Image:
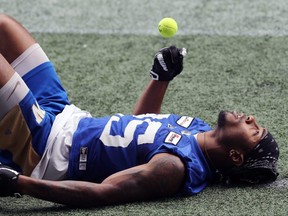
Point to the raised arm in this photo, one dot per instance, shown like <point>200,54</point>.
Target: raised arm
<point>151,99</point>
<point>168,63</point>
<point>162,176</point>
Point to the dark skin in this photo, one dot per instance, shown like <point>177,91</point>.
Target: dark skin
<point>162,176</point>
<point>144,182</point>
<point>227,147</point>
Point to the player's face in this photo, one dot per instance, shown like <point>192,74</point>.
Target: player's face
<point>239,130</point>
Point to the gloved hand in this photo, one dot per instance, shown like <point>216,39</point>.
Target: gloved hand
<point>8,180</point>
<point>168,63</point>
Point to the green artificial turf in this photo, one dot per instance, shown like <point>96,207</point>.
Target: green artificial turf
<point>106,74</point>
<point>237,60</point>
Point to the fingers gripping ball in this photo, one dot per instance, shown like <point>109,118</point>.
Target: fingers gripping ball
<point>8,180</point>
<point>168,63</point>
<point>168,27</point>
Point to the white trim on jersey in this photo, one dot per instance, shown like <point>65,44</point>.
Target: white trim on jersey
<point>29,59</point>
<point>54,162</point>
<point>12,93</point>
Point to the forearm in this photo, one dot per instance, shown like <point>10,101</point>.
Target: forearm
<point>168,63</point>
<point>151,99</point>
<point>73,193</point>
<point>162,176</point>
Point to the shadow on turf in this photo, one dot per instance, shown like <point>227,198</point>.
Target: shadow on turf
<point>39,209</point>
<point>56,208</point>
<point>44,207</point>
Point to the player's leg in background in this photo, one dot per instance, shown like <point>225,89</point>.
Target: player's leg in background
<point>31,95</point>
<point>6,71</point>
<point>14,38</point>
<point>30,61</point>
<point>15,136</point>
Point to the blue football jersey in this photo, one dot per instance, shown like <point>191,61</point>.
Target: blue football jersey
<point>103,146</point>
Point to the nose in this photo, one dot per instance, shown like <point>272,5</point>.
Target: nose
<point>250,119</point>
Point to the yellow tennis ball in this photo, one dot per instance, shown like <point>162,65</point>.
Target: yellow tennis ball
<point>168,27</point>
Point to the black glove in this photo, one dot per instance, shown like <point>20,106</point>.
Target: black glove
<point>8,180</point>
<point>168,63</point>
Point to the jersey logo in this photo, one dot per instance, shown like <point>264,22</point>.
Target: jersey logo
<point>185,121</point>
<point>13,90</point>
<point>83,158</point>
<point>173,138</point>
<point>38,113</point>
<point>186,132</point>
<point>171,126</point>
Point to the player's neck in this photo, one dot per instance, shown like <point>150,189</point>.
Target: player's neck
<point>214,152</point>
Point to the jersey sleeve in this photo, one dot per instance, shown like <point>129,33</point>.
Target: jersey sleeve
<point>181,141</point>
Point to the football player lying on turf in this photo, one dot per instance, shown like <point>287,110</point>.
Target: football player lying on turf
<point>52,150</point>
